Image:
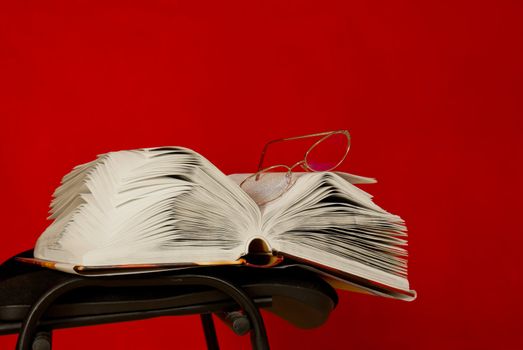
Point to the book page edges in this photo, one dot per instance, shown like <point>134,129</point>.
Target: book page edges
<point>336,279</point>
<point>346,281</point>
<point>346,285</point>
<point>124,269</point>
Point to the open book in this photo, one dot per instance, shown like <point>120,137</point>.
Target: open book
<point>164,207</point>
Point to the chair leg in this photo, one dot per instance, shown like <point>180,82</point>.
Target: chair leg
<point>237,321</point>
<point>28,331</point>
<point>43,340</point>
<point>210,332</point>
<point>259,340</point>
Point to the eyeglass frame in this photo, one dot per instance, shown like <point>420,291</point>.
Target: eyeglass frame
<point>303,162</point>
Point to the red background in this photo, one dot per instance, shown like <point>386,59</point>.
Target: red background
<point>430,91</point>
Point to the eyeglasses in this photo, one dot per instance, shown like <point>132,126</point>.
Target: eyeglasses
<point>325,154</point>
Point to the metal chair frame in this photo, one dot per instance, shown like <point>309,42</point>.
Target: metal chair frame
<point>36,333</point>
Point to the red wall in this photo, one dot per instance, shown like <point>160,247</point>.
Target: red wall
<point>431,93</point>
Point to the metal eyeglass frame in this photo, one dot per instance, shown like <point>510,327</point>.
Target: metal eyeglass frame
<point>303,163</point>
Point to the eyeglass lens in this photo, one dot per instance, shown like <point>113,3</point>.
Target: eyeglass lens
<point>328,153</point>
<point>270,184</point>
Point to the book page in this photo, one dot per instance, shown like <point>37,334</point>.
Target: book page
<point>326,220</point>
<point>159,205</point>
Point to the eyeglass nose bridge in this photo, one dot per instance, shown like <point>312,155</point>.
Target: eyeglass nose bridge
<point>259,173</point>
<point>302,163</point>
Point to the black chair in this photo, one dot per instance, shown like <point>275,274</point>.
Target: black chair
<point>34,300</point>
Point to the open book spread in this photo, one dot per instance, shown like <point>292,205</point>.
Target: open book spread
<point>170,206</point>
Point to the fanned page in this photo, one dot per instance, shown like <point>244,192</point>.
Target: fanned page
<point>161,206</point>
<point>326,221</point>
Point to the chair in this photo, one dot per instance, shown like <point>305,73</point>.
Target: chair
<point>34,300</point>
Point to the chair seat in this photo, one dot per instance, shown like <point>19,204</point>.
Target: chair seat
<point>294,294</point>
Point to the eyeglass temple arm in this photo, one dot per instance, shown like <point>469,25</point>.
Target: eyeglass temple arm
<point>260,164</point>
